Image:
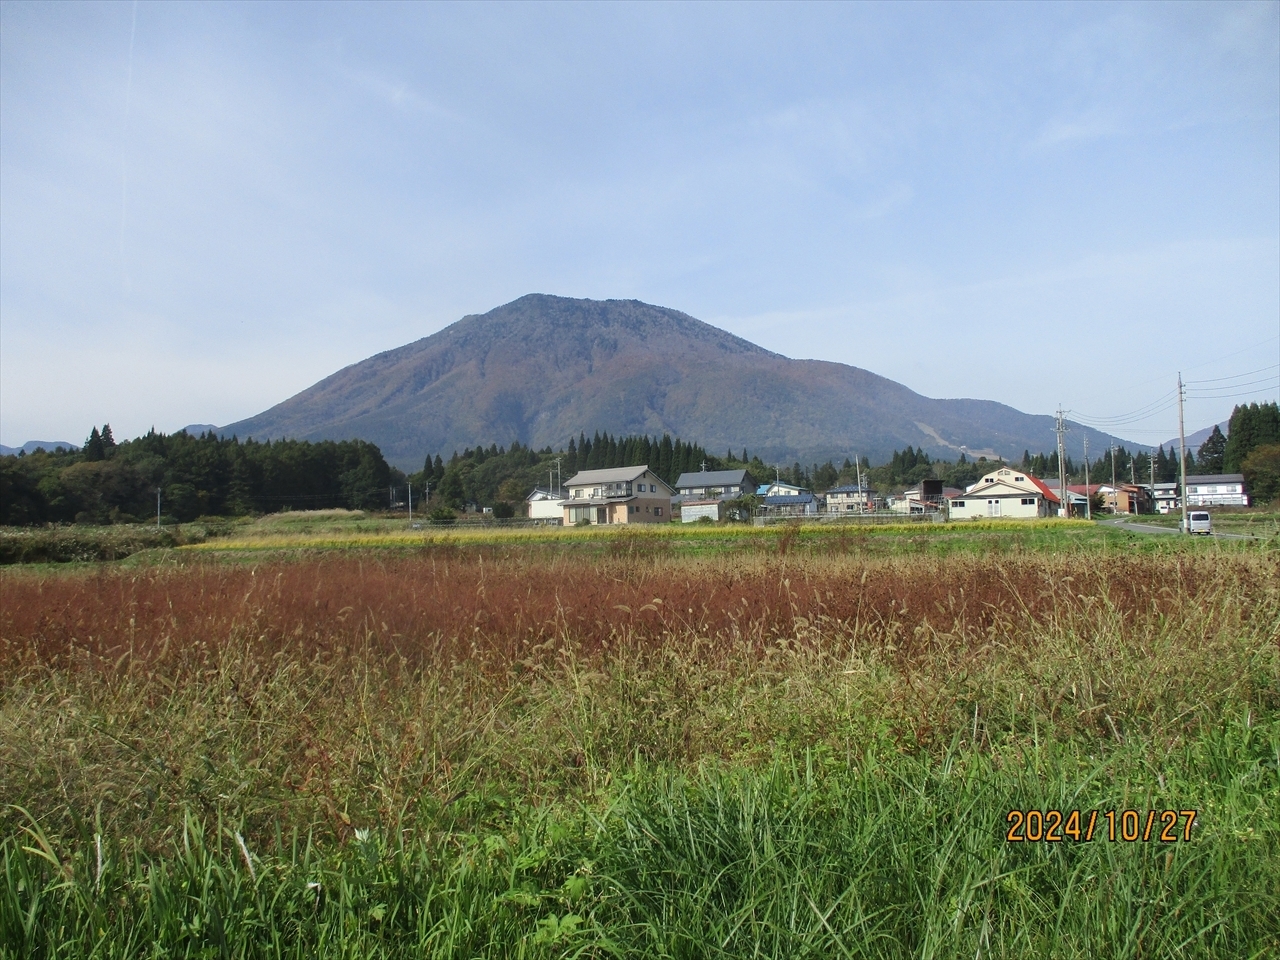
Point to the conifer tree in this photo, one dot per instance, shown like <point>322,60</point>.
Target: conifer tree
<point>1252,425</point>
<point>1212,451</point>
<point>93,449</point>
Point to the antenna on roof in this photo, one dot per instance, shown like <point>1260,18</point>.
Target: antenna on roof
<point>704,466</point>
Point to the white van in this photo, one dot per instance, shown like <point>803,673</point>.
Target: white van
<point>1198,522</point>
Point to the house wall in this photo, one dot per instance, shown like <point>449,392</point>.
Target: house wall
<point>689,512</point>
<point>545,510</point>
<point>1010,507</point>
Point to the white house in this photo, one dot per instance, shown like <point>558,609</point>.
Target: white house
<point>1212,490</point>
<point>617,495</point>
<point>1223,490</point>
<point>1005,493</point>
<point>779,489</point>
<point>545,506</point>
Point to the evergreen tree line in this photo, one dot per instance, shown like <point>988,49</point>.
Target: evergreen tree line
<point>106,482</point>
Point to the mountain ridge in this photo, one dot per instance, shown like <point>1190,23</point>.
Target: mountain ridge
<point>542,369</point>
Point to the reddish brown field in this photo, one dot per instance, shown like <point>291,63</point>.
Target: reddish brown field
<point>429,608</point>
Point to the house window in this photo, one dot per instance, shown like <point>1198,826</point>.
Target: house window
<point>641,487</point>
<point>1019,478</point>
<point>1028,501</point>
<point>657,511</point>
<point>957,503</point>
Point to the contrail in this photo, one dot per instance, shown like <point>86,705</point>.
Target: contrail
<point>124,152</point>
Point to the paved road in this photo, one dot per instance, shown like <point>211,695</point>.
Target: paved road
<point>1132,527</point>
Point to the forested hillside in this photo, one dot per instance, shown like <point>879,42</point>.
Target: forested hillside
<point>106,482</point>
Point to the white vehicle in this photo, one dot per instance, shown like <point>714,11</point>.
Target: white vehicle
<point>1198,522</point>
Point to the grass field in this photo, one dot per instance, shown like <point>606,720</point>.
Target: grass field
<point>318,740</point>
<point>1261,522</point>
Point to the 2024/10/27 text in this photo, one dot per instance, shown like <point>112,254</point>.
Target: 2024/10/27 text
<point>1128,825</point>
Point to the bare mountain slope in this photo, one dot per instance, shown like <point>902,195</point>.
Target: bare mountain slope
<point>543,369</point>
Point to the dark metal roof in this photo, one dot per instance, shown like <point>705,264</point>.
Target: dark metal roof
<point>714,478</point>
<point>791,499</point>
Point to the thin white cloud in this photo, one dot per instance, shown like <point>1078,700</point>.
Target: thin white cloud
<point>1065,131</point>
<point>395,93</point>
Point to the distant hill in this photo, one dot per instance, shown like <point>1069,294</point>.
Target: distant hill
<point>1195,439</point>
<point>31,446</point>
<point>542,369</point>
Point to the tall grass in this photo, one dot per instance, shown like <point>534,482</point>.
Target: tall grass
<point>638,754</point>
<point>898,856</point>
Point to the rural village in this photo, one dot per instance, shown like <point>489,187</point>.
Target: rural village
<point>638,495</point>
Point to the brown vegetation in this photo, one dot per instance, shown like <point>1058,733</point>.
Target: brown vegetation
<point>345,687</point>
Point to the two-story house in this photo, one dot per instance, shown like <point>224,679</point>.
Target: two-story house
<point>1220,490</point>
<point>851,499</point>
<point>703,494</point>
<point>617,495</point>
<point>1005,493</point>
<point>715,484</point>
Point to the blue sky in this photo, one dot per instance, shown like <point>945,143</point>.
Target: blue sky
<point>205,208</point>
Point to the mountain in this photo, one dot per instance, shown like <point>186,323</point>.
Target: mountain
<point>543,369</point>
<point>1195,439</point>
<point>31,446</point>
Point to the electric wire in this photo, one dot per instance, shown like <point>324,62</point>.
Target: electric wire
<point>1141,412</point>
<point>1190,383</point>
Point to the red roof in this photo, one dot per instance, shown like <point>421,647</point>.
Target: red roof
<point>1040,485</point>
<point>1044,488</point>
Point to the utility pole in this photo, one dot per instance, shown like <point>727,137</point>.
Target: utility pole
<point>862,495</point>
<point>1115,497</point>
<point>1182,456</point>
<point>157,508</point>
<point>556,461</point>
<point>410,501</point>
<point>1088,494</point>
<point>1060,429</point>
<point>1152,458</point>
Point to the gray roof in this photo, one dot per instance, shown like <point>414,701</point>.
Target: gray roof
<point>611,475</point>
<point>789,499</point>
<point>1216,478</point>
<point>850,488</point>
<point>712,478</point>
<point>548,494</point>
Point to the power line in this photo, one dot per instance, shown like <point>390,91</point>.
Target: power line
<point>1274,366</point>
<point>1122,416</point>
<point>1144,413</point>
<point>1232,396</point>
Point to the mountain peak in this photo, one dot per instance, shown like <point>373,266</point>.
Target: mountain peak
<point>543,368</point>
